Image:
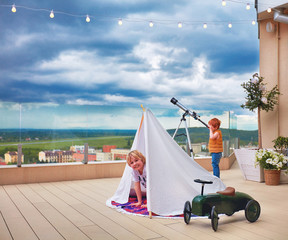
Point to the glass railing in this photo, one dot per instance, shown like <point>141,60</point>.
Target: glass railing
<point>53,133</point>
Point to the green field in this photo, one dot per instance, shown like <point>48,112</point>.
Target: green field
<point>43,140</point>
<point>31,149</point>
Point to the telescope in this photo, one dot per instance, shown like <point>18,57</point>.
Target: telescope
<point>187,111</point>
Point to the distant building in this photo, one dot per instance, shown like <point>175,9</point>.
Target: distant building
<point>80,149</point>
<point>79,157</point>
<point>119,154</point>
<point>2,161</point>
<point>104,156</point>
<point>56,156</point>
<point>107,148</point>
<point>12,157</point>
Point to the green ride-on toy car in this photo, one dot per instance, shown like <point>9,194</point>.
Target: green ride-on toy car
<point>223,202</point>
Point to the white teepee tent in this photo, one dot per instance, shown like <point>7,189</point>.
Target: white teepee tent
<point>170,171</point>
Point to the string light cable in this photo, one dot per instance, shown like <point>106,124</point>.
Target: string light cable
<point>150,22</point>
<point>250,3</point>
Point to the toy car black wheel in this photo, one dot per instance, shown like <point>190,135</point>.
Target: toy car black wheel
<point>229,214</point>
<point>252,211</point>
<point>187,212</point>
<point>214,219</point>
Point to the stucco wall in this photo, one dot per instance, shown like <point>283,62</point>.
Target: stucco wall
<point>37,173</point>
<point>274,69</point>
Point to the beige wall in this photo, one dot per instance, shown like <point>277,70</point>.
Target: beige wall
<point>274,69</point>
<point>38,173</point>
<point>30,173</point>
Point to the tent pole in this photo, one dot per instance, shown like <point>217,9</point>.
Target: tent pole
<point>150,214</point>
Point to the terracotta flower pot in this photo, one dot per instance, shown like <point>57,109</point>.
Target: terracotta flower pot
<point>272,176</point>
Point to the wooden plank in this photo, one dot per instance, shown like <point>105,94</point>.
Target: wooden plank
<point>195,230</point>
<point>96,233</point>
<point>153,226</point>
<point>33,197</point>
<point>161,229</point>
<point>95,193</point>
<point>109,226</point>
<point>122,220</point>
<point>88,197</point>
<point>66,228</point>
<point>17,225</point>
<point>4,232</point>
<point>42,228</point>
<point>61,206</point>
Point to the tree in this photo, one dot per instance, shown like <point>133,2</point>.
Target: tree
<point>258,97</point>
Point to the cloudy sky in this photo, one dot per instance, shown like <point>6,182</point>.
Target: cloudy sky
<point>101,67</point>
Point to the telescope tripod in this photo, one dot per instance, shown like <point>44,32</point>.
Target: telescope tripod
<point>183,119</point>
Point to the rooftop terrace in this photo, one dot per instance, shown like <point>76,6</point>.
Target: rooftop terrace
<point>77,210</point>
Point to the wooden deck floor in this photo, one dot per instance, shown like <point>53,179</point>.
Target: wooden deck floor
<point>77,210</point>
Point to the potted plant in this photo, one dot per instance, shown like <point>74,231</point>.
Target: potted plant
<point>272,162</point>
<point>257,98</point>
<point>281,144</point>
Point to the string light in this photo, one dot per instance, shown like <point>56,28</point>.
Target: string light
<point>13,9</point>
<point>269,10</point>
<point>87,18</point>
<point>120,22</point>
<point>51,14</point>
<point>223,3</point>
<point>253,22</point>
<point>230,25</point>
<point>248,6</point>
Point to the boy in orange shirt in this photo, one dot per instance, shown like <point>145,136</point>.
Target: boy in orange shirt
<point>215,144</point>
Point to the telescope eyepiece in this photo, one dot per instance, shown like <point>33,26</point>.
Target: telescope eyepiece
<point>173,100</point>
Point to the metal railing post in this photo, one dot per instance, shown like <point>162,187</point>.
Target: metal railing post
<point>19,155</point>
<point>226,148</point>
<point>237,143</point>
<point>85,161</point>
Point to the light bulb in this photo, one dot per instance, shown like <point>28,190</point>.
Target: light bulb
<point>13,9</point>
<point>253,22</point>
<point>151,24</point>
<point>205,25</point>
<point>269,10</point>
<point>248,6</point>
<point>230,25</point>
<point>180,25</point>
<point>87,18</point>
<point>52,14</point>
<point>223,3</point>
<point>120,22</point>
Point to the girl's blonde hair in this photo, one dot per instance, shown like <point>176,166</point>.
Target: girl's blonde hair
<point>136,154</point>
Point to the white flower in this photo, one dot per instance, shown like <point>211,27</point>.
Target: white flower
<point>270,159</point>
<point>254,80</point>
<point>264,100</point>
<point>262,88</point>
